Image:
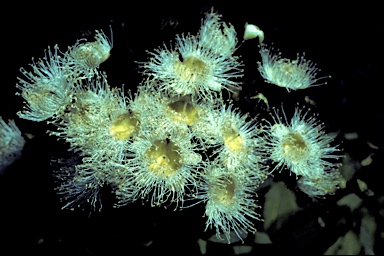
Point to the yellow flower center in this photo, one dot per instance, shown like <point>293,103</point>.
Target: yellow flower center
<point>224,193</point>
<point>294,146</point>
<point>233,141</point>
<point>125,127</point>
<point>183,111</point>
<point>164,158</point>
<point>192,69</point>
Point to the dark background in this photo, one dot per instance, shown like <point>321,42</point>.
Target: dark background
<point>345,41</point>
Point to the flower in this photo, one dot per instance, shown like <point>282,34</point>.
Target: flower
<point>235,139</point>
<point>98,122</point>
<point>11,143</point>
<point>195,67</point>
<point>230,201</point>
<point>164,166</point>
<point>80,180</point>
<point>320,183</point>
<point>78,185</point>
<point>99,127</point>
<point>291,74</point>
<point>301,144</point>
<point>84,58</point>
<point>48,90</point>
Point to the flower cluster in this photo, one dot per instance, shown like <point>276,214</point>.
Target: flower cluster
<point>177,138</point>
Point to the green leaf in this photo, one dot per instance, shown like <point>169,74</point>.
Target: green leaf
<point>279,202</point>
<point>346,245</point>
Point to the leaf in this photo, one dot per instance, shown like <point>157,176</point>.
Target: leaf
<point>202,246</point>
<point>233,238</point>
<point>262,238</point>
<point>346,245</point>
<point>242,249</point>
<point>279,202</point>
<point>367,233</point>
<point>350,200</point>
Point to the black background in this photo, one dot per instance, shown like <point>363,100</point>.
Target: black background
<point>344,40</point>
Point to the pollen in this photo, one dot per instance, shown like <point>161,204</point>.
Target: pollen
<point>184,111</point>
<point>201,65</point>
<point>321,183</point>
<point>294,146</point>
<point>11,143</point>
<point>125,127</point>
<point>233,141</point>
<point>192,69</point>
<point>224,194</point>
<point>164,158</point>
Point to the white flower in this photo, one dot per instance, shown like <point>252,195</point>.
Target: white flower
<point>48,90</point>
<point>98,122</point>
<point>84,58</point>
<point>320,183</point>
<point>300,144</point>
<point>217,35</point>
<point>165,166</point>
<point>195,67</point>
<point>291,74</point>
<point>230,201</point>
<point>11,143</point>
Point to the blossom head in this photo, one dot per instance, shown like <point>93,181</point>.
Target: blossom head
<point>84,58</point>
<point>230,201</point>
<point>164,165</point>
<point>199,65</point>
<point>291,74</point>
<point>217,35</point>
<point>11,143</point>
<point>233,138</point>
<point>48,90</point>
<point>300,144</point>
<point>97,120</point>
<point>193,69</point>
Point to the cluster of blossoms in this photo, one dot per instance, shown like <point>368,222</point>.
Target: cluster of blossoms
<point>176,139</point>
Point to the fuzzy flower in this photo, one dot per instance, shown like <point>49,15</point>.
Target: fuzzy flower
<point>48,90</point>
<point>320,183</point>
<point>291,74</point>
<point>230,201</point>
<point>165,108</point>
<point>233,138</point>
<point>80,181</point>
<point>217,35</point>
<point>165,165</point>
<point>84,58</point>
<point>11,143</point>
<point>98,122</point>
<point>194,67</point>
<point>301,145</point>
